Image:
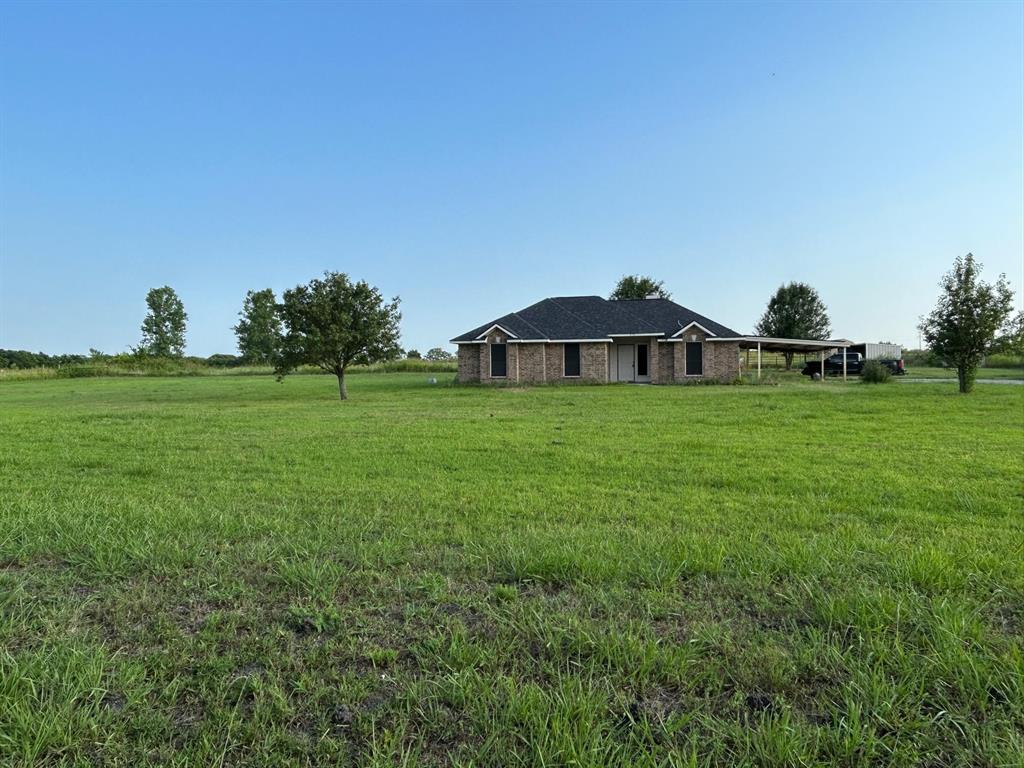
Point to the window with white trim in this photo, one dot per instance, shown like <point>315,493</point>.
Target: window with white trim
<point>571,360</point>
<point>499,361</point>
<point>694,358</point>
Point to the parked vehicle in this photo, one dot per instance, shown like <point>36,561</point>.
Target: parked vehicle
<point>888,354</point>
<point>896,366</point>
<point>881,351</point>
<point>854,365</point>
<point>834,365</point>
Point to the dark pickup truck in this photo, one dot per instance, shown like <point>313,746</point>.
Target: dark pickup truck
<point>854,365</point>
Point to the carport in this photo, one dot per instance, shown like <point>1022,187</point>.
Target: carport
<point>797,346</point>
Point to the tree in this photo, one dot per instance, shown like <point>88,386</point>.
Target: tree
<point>1011,341</point>
<point>163,330</point>
<point>413,354</point>
<point>962,328</point>
<point>259,330</point>
<point>334,323</point>
<point>437,354</point>
<point>795,312</point>
<point>639,287</point>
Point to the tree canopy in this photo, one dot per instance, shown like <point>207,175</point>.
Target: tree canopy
<point>795,311</point>
<point>259,329</point>
<point>333,323</point>
<point>962,328</point>
<point>163,330</point>
<point>1011,341</point>
<point>639,287</point>
<point>438,354</point>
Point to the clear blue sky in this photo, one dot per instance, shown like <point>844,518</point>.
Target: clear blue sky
<point>475,158</point>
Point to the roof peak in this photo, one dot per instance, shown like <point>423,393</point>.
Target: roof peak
<point>645,298</point>
<point>593,317</point>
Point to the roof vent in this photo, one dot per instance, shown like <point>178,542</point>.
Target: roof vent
<point>652,296</point>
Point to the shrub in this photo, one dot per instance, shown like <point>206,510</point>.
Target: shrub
<point>223,361</point>
<point>875,373</point>
<point>1003,361</point>
<point>921,357</point>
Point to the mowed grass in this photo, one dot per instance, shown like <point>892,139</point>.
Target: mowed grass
<point>916,372</point>
<point>233,571</point>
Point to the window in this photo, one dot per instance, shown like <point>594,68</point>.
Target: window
<point>641,359</point>
<point>694,358</point>
<point>499,361</point>
<point>572,359</point>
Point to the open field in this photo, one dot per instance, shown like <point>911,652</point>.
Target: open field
<point>232,571</point>
<point>920,372</point>
<point>163,367</point>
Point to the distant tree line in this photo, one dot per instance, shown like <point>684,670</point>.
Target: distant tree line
<point>21,359</point>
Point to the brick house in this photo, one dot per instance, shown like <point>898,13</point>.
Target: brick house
<point>588,338</point>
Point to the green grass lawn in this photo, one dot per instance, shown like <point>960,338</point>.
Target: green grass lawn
<point>232,571</point>
<point>950,373</point>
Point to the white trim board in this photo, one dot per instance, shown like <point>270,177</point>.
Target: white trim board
<point>796,342</point>
<point>498,327</point>
<point>559,341</point>
<point>681,331</point>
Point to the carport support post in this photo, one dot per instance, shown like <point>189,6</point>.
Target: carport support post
<point>822,355</point>
<point>844,363</point>
<point>759,361</point>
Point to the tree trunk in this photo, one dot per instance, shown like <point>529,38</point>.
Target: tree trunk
<point>965,377</point>
<point>342,391</point>
<point>789,359</point>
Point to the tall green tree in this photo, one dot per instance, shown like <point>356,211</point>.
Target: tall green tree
<point>163,330</point>
<point>438,354</point>
<point>795,312</point>
<point>962,328</point>
<point>639,287</point>
<point>259,329</point>
<point>333,323</point>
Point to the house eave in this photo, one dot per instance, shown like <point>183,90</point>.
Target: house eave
<point>684,329</point>
<point>497,327</point>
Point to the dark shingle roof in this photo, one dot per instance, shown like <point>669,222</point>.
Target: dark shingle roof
<point>591,317</point>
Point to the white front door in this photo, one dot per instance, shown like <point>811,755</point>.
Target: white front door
<point>624,362</point>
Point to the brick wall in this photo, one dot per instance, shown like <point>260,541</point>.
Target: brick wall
<point>536,363</point>
<point>469,362</point>
<point>532,365</point>
<point>721,359</point>
<point>594,361</point>
<point>556,359</point>
<point>654,361</point>
<point>666,362</point>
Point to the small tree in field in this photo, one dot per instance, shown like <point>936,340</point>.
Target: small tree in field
<point>639,287</point>
<point>163,330</point>
<point>333,324</point>
<point>963,326</point>
<point>795,312</point>
<point>437,354</point>
<point>413,354</point>
<point>259,330</point>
